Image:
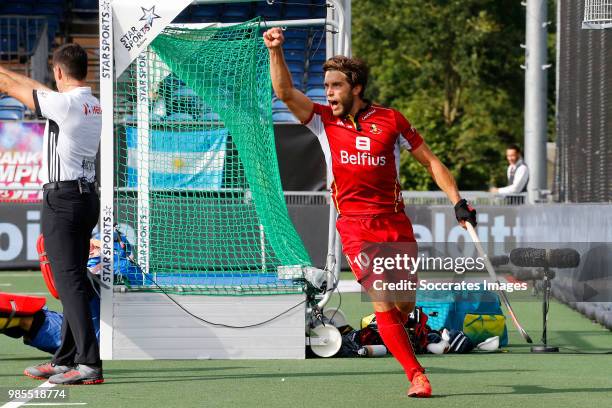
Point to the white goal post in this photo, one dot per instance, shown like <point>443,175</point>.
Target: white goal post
<point>116,17</point>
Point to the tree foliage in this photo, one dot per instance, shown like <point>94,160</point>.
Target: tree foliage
<point>452,67</point>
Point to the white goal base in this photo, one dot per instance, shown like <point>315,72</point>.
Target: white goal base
<point>148,326</point>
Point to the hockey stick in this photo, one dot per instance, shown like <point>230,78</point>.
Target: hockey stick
<point>493,276</point>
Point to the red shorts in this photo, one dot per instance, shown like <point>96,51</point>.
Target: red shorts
<point>362,237</point>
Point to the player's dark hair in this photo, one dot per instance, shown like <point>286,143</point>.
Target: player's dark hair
<point>513,146</point>
<point>72,58</point>
<point>356,70</point>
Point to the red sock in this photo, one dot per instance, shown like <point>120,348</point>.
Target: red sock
<point>403,316</point>
<point>396,339</point>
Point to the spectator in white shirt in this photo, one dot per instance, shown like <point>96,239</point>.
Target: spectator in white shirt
<point>518,173</point>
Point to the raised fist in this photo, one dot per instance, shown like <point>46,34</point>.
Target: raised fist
<point>273,38</point>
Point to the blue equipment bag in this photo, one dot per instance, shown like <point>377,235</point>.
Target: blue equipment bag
<point>478,313</point>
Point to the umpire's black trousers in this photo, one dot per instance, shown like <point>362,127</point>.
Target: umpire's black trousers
<point>68,218</point>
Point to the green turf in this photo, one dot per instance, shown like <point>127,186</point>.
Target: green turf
<point>513,378</point>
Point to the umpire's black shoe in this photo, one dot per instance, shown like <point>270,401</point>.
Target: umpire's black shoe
<point>81,374</point>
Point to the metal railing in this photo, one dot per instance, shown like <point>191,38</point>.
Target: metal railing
<point>414,198</point>
<point>317,198</point>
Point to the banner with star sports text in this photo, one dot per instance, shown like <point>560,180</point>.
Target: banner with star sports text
<point>187,160</point>
<point>136,23</point>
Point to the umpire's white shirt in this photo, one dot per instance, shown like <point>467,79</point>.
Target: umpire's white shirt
<point>72,133</point>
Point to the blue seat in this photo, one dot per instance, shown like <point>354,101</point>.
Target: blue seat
<point>52,24</point>
<point>184,92</point>
<point>315,68</point>
<point>296,33</point>
<point>297,12</point>
<point>32,34</point>
<point>319,9</point>
<point>295,56</point>
<point>132,119</point>
<point>11,109</point>
<point>296,67</point>
<point>8,45</point>
<point>316,93</point>
<point>236,12</point>
<point>10,102</point>
<point>207,13</point>
<point>318,56</point>
<point>183,17</point>
<point>34,27</point>
<point>211,116</point>
<point>86,4</point>
<point>268,12</point>
<point>11,114</point>
<point>295,44</point>
<point>49,9</point>
<point>315,80</point>
<point>52,27</point>
<point>298,80</point>
<point>16,8</point>
<point>279,105</point>
<point>317,41</point>
<point>283,116</point>
<point>180,117</point>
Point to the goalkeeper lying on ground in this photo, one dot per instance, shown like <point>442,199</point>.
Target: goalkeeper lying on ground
<point>28,318</point>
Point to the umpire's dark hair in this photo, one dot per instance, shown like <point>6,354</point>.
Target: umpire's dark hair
<point>72,58</point>
<point>513,146</point>
<point>356,70</point>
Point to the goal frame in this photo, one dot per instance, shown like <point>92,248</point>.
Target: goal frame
<point>594,21</point>
<point>336,19</point>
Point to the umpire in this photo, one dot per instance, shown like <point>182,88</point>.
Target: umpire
<point>70,204</point>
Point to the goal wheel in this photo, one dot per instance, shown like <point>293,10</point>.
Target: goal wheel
<point>335,317</point>
<point>325,341</point>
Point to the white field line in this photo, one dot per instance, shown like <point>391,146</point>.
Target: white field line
<point>52,404</point>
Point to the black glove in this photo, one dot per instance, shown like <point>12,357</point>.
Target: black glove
<point>465,212</point>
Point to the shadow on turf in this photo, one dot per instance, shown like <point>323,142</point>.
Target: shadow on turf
<point>171,370</point>
<point>164,378</point>
<point>34,359</point>
<point>529,390</point>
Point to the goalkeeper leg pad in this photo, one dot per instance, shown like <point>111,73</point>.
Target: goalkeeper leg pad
<point>45,266</point>
<point>13,306</point>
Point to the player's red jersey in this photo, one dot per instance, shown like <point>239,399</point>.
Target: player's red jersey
<point>364,156</point>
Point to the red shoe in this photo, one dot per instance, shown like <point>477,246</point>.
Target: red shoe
<point>420,388</point>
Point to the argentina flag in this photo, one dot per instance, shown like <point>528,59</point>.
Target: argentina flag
<point>187,160</point>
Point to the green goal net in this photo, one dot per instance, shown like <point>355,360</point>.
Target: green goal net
<point>196,175</point>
